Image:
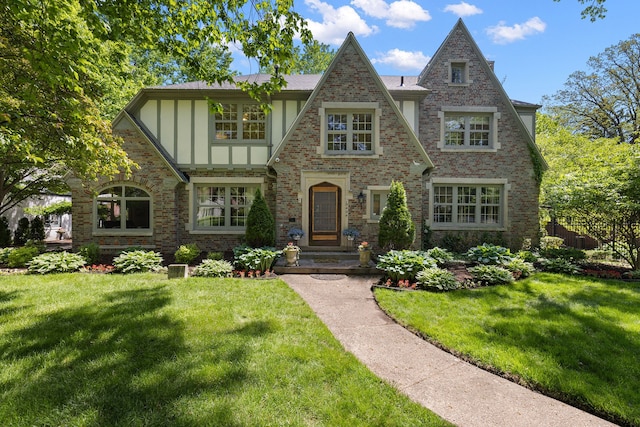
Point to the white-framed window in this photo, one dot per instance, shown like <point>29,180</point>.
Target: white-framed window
<point>122,208</point>
<point>349,132</point>
<point>378,203</point>
<point>350,129</point>
<point>458,72</point>
<point>456,204</point>
<point>469,128</point>
<point>220,204</point>
<point>239,122</point>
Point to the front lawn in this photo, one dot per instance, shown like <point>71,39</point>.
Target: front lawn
<point>90,349</point>
<point>575,338</point>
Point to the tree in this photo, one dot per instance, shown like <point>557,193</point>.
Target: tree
<point>397,230</point>
<point>594,11</point>
<point>313,58</point>
<point>261,227</point>
<point>604,102</point>
<point>596,182</point>
<point>66,67</point>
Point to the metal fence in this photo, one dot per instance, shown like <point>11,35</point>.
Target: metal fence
<point>581,234</point>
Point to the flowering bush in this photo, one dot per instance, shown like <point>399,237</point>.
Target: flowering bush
<point>364,246</point>
<point>351,232</point>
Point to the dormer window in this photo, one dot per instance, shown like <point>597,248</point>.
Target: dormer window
<point>458,73</point>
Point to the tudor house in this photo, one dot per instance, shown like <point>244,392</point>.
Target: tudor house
<point>324,157</point>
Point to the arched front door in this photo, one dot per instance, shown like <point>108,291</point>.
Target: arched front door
<point>324,215</point>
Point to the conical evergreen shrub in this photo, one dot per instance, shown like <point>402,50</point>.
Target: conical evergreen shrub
<point>5,233</point>
<point>21,235</point>
<point>397,230</point>
<point>261,227</point>
<point>36,229</point>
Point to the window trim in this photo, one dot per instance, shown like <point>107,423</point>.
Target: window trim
<point>369,193</point>
<point>213,121</point>
<point>191,226</point>
<point>470,182</point>
<point>470,111</point>
<point>451,64</point>
<point>122,231</point>
<point>350,108</point>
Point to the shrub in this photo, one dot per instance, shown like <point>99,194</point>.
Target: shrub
<point>36,229</point>
<point>527,256</point>
<point>519,267</point>
<point>5,233</point>
<point>215,255</point>
<point>559,265</point>
<point>137,261</point>
<point>90,252</point>
<point>4,255</point>
<point>19,257</point>
<point>441,256</point>
<point>437,279</point>
<point>488,253</point>
<point>261,227</point>
<point>186,254</point>
<point>21,235</point>
<point>489,275</point>
<point>56,262</point>
<point>569,254</point>
<point>551,242</point>
<point>404,265</point>
<point>257,259</point>
<point>397,230</point>
<point>213,268</point>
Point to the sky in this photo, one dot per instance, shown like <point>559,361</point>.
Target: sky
<point>536,44</point>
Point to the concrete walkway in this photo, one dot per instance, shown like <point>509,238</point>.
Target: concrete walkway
<point>456,390</point>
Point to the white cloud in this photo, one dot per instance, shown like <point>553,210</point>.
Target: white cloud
<point>399,14</point>
<point>402,60</point>
<point>503,34</point>
<point>463,9</point>
<point>336,23</point>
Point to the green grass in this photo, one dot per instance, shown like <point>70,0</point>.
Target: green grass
<point>142,350</point>
<point>577,339</point>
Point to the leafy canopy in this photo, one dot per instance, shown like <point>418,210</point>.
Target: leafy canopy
<point>67,66</point>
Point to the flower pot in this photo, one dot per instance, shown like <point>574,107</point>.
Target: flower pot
<point>365,257</point>
<point>291,257</point>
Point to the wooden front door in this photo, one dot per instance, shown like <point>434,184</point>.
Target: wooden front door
<point>324,212</point>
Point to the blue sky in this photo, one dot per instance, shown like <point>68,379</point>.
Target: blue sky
<point>536,44</point>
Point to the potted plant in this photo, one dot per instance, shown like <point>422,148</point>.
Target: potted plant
<point>291,254</point>
<point>351,233</point>
<point>365,254</point>
<point>296,233</point>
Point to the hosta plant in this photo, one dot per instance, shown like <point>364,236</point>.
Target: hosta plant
<point>488,253</point>
<point>489,275</point>
<point>213,268</point>
<point>56,262</point>
<point>440,255</point>
<point>404,265</point>
<point>520,268</point>
<point>138,261</point>
<point>436,278</point>
<point>559,265</point>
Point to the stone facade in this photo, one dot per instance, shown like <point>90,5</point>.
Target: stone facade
<point>407,148</point>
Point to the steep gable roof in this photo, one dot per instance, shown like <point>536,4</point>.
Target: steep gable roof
<point>351,42</point>
<point>437,58</point>
<point>157,147</point>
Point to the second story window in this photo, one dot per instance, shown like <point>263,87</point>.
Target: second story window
<point>470,131</point>
<point>349,132</point>
<point>239,122</point>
